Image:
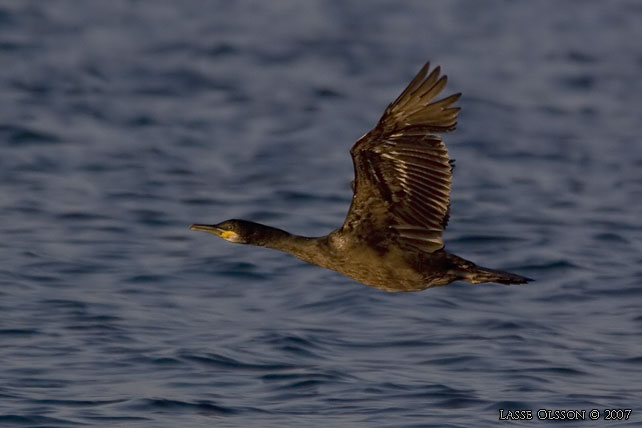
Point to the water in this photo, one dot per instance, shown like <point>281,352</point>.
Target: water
<point>123,122</point>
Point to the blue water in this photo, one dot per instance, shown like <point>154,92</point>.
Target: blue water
<point>122,122</point>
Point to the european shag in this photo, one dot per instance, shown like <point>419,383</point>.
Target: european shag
<point>392,236</point>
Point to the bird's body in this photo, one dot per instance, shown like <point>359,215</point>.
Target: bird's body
<point>392,236</point>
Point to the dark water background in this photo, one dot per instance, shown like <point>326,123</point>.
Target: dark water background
<point>122,122</point>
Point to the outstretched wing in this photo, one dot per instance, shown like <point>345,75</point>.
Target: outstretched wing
<point>402,169</point>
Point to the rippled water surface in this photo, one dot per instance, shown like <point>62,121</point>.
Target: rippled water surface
<point>122,122</point>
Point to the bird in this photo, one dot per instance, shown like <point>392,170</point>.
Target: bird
<point>392,237</point>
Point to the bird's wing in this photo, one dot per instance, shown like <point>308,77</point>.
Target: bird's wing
<point>402,169</point>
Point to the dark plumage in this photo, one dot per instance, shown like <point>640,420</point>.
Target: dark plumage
<point>392,236</point>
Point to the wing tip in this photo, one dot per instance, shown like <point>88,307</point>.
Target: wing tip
<point>415,105</point>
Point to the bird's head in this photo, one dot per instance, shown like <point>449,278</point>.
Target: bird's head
<point>239,231</point>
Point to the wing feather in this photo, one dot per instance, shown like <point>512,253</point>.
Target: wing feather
<point>402,169</point>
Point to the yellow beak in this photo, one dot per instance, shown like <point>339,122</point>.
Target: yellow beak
<point>228,235</point>
<point>206,228</point>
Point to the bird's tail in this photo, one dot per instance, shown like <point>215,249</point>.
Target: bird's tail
<point>482,274</point>
<point>470,272</point>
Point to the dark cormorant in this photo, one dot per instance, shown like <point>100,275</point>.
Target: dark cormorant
<point>392,236</point>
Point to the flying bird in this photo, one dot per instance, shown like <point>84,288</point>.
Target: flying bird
<point>392,237</point>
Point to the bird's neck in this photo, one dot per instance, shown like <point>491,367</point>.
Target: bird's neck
<point>303,247</point>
